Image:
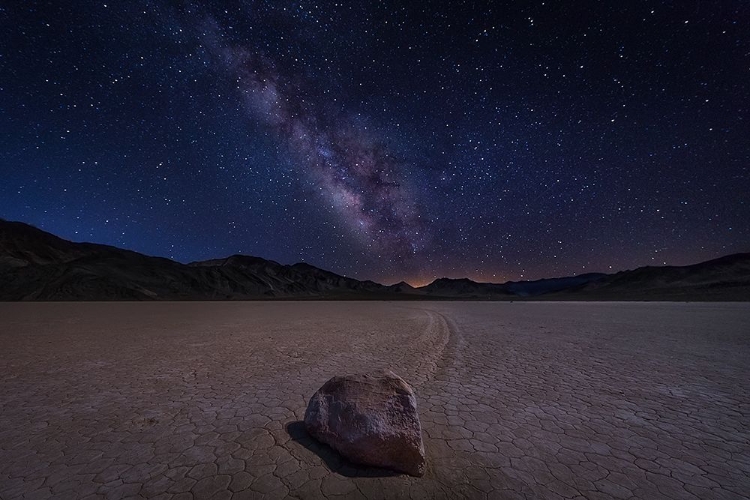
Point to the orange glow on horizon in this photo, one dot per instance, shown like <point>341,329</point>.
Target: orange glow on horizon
<point>420,282</point>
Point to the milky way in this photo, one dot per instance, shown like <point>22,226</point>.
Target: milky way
<point>384,140</point>
<point>353,171</point>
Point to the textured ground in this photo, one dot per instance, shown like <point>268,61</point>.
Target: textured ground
<point>517,400</point>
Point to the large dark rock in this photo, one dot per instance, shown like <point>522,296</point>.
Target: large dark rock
<point>370,419</point>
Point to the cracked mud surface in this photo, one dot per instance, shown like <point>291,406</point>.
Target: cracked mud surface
<point>517,400</point>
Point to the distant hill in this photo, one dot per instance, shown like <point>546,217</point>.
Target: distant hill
<point>403,287</point>
<point>464,288</point>
<point>725,278</point>
<point>36,265</point>
<point>550,285</point>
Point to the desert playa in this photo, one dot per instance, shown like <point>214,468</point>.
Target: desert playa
<point>516,400</point>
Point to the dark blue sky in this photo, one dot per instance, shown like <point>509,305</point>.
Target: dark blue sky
<point>383,140</point>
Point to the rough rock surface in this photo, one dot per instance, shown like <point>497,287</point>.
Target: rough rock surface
<point>370,419</point>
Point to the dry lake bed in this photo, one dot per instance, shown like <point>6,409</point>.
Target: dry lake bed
<point>517,400</point>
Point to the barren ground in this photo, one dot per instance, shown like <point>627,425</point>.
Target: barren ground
<point>517,400</point>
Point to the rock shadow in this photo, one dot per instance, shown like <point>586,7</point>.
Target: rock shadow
<point>332,459</point>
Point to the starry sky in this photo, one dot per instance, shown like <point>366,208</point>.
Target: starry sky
<point>383,140</point>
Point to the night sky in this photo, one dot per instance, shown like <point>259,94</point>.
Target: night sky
<point>383,140</point>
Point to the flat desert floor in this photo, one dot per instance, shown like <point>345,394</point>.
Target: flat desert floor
<point>517,400</point>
